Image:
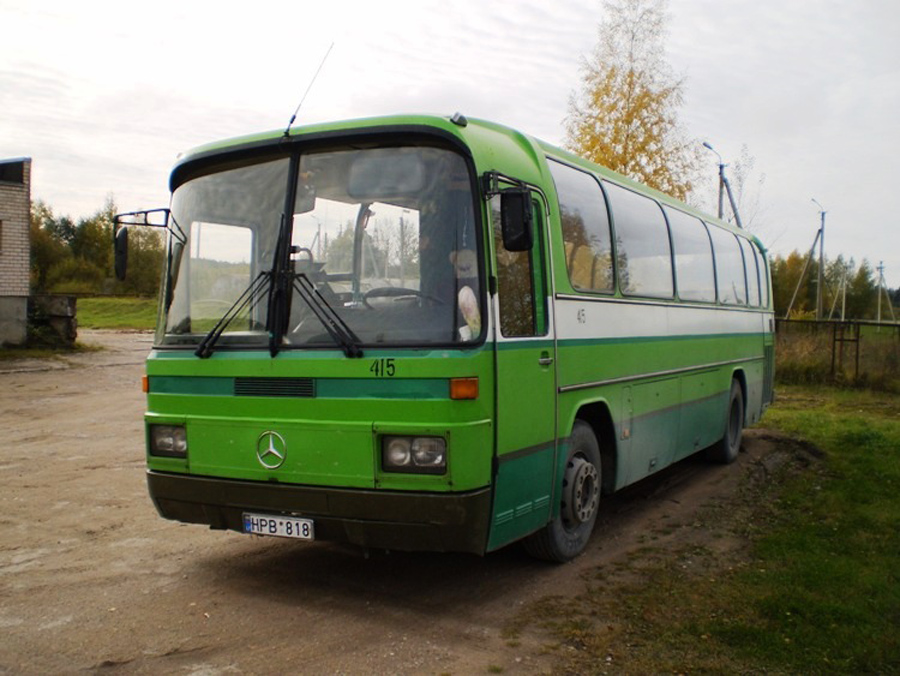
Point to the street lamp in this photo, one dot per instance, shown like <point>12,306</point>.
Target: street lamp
<point>820,295</point>
<point>708,146</point>
<point>724,186</point>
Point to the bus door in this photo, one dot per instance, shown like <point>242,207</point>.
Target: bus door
<point>525,361</point>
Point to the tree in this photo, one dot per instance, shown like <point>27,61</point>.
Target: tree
<point>69,258</point>
<point>47,250</point>
<point>860,286</point>
<point>862,293</point>
<point>625,116</point>
<point>145,262</point>
<point>92,240</point>
<point>746,185</point>
<point>785,277</point>
<point>837,275</point>
<point>339,252</point>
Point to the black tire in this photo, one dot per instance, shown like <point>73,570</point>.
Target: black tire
<point>567,535</point>
<point>726,450</point>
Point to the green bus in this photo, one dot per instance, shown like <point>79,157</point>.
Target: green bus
<point>431,333</point>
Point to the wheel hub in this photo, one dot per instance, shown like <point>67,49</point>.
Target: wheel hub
<point>581,491</point>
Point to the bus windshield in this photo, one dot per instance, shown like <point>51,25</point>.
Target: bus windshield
<point>384,238</point>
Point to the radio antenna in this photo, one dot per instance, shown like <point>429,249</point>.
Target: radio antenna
<point>287,130</point>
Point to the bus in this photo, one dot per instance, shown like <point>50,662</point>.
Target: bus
<point>437,334</point>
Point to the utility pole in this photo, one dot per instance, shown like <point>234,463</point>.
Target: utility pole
<point>820,287</point>
<point>812,251</point>
<point>883,290</point>
<point>708,146</point>
<point>724,186</point>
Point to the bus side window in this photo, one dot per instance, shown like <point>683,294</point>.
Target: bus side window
<point>585,229</point>
<point>763,275</point>
<point>752,267</point>
<point>730,277</point>
<point>695,274</point>
<point>521,290</point>
<point>643,252</point>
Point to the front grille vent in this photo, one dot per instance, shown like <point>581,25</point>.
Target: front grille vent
<point>274,387</point>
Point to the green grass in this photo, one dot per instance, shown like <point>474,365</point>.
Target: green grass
<point>812,584</point>
<point>20,353</point>
<point>117,313</point>
<point>829,598</point>
<point>11,353</point>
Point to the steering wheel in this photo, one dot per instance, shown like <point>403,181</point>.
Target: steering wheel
<point>397,292</point>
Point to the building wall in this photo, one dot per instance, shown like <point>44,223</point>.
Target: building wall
<point>15,249</point>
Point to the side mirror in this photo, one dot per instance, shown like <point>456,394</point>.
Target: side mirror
<point>155,218</point>
<point>121,249</point>
<point>517,219</point>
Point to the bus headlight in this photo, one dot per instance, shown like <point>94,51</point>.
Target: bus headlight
<point>168,441</point>
<point>416,455</point>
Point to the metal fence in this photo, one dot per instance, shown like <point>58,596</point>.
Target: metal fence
<point>857,353</point>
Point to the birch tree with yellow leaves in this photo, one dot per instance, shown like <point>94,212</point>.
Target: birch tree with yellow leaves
<point>625,115</point>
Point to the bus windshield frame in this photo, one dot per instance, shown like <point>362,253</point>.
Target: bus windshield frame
<point>382,239</point>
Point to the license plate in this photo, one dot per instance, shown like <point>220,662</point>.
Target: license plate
<point>279,526</point>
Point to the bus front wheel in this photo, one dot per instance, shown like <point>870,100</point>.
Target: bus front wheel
<point>727,448</point>
<point>566,536</point>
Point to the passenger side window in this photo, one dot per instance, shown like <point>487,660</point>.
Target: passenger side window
<point>730,278</point>
<point>521,293</point>
<point>695,274</point>
<point>585,229</point>
<point>763,276</point>
<point>752,272</point>
<point>643,253</point>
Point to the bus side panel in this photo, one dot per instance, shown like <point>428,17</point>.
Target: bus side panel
<point>702,415</point>
<point>666,372</point>
<point>758,374</point>
<point>656,415</point>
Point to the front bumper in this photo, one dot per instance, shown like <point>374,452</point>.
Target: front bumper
<point>374,519</point>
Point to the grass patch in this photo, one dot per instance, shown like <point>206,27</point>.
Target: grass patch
<point>813,587</point>
<point>117,313</point>
<point>15,353</point>
<point>18,353</point>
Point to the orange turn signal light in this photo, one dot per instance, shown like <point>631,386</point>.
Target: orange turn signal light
<point>145,384</point>
<point>464,388</point>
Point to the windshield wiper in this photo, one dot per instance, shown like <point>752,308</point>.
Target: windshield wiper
<point>336,327</point>
<point>248,299</point>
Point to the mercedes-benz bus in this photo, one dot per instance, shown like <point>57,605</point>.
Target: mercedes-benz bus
<point>431,333</point>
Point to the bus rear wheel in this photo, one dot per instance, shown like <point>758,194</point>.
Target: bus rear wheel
<point>726,450</point>
<point>566,536</point>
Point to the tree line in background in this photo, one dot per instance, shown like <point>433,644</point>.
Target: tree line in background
<point>77,258</point>
<point>851,290</point>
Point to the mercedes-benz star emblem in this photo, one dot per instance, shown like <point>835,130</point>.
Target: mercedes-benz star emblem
<point>271,450</point>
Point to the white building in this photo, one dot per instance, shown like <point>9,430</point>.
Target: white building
<point>15,249</point>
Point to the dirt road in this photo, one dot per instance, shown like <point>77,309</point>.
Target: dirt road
<point>91,579</point>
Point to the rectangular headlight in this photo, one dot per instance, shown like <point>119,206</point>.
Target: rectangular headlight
<point>168,441</point>
<point>414,455</point>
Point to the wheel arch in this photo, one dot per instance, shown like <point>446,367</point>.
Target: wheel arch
<point>741,378</point>
<point>597,415</point>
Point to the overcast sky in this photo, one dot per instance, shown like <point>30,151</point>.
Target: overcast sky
<point>104,95</point>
